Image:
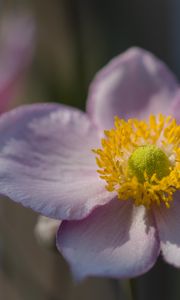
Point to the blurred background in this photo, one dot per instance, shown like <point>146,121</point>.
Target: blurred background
<point>49,52</point>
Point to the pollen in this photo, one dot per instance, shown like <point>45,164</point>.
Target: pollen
<point>140,160</point>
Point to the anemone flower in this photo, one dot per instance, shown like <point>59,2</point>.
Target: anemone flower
<point>110,174</point>
<point>16,52</point>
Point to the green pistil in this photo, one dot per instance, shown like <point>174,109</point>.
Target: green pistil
<point>149,160</point>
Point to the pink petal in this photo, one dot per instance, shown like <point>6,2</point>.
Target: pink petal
<point>45,231</point>
<point>175,108</point>
<point>116,240</point>
<point>168,224</point>
<point>17,48</point>
<point>134,84</point>
<point>47,162</point>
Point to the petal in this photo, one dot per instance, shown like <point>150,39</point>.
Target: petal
<point>175,107</point>
<point>168,224</point>
<point>116,240</point>
<point>47,162</point>
<point>45,231</point>
<point>17,45</point>
<point>134,84</point>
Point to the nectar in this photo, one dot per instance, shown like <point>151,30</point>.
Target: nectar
<point>140,160</point>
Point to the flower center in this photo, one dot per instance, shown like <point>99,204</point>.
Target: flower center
<point>149,160</point>
<point>140,160</point>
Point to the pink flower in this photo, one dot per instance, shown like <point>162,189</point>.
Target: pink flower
<point>115,221</point>
<point>17,47</point>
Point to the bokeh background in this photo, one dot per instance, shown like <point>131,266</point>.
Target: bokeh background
<point>73,39</point>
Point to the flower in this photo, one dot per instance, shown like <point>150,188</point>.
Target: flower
<point>17,47</point>
<point>117,214</point>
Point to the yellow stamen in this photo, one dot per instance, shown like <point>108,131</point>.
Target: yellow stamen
<point>141,160</point>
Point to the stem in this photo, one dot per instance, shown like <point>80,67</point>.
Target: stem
<point>116,288</point>
<point>125,289</point>
<point>133,289</point>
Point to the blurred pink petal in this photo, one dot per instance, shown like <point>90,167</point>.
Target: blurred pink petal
<point>175,107</point>
<point>16,52</point>
<point>45,231</point>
